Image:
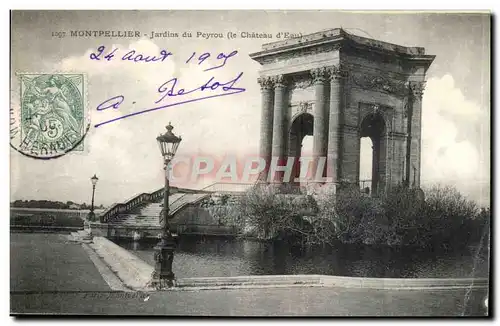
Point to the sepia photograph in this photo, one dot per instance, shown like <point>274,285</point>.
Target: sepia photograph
<point>250,163</point>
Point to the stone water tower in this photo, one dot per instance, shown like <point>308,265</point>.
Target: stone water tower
<point>337,88</point>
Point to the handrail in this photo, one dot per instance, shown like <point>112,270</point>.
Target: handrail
<point>117,208</point>
<point>172,212</point>
<point>131,203</point>
<point>175,210</point>
<point>249,184</point>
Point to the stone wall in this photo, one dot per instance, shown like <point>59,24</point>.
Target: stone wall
<point>215,215</point>
<point>123,231</point>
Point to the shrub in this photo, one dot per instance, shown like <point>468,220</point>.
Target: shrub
<point>403,209</point>
<point>45,219</point>
<point>351,216</point>
<point>450,217</point>
<point>272,213</point>
<point>404,216</point>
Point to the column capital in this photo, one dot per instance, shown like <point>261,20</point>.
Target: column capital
<point>417,88</point>
<point>266,82</point>
<point>337,72</point>
<point>279,81</point>
<point>319,75</point>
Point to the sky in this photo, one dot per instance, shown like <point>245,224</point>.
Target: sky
<point>125,155</point>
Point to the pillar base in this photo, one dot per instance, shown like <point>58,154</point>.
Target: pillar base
<point>163,276</point>
<point>162,283</point>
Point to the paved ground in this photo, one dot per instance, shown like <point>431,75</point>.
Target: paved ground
<point>49,275</point>
<point>49,262</point>
<point>249,302</point>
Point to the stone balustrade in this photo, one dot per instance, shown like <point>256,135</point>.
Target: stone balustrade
<point>114,210</point>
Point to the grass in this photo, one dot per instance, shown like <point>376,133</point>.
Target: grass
<point>49,218</point>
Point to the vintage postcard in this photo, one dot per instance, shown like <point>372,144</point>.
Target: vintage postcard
<point>250,163</point>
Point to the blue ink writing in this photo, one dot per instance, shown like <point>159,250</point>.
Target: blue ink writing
<point>113,102</point>
<point>225,57</point>
<point>100,50</point>
<point>206,55</point>
<point>169,89</point>
<point>94,56</point>
<point>130,56</point>
<point>134,56</point>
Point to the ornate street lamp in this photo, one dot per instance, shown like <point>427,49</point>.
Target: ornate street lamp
<point>164,255</point>
<point>94,180</point>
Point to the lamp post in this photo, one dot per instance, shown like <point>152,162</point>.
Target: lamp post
<point>164,250</point>
<point>94,180</point>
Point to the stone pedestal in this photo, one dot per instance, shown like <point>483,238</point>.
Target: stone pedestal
<point>163,276</point>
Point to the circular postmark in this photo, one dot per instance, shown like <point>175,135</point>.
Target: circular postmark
<point>50,119</point>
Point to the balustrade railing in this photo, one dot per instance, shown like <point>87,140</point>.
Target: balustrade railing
<point>219,187</point>
<point>364,184</point>
<point>114,210</point>
<point>228,187</point>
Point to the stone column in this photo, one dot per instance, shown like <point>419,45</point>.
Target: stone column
<point>395,158</point>
<point>266,122</point>
<point>384,159</point>
<point>320,130</point>
<point>416,93</point>
<point>334,161</point>
<point>279,125</point>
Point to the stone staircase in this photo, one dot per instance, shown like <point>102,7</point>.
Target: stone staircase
<point>147,215</point>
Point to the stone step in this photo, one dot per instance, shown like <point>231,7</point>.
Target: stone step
<point>72,236</point>
<point>334,281</point>
<point>139,225</point>
<point>260,280</point>
<point>80,237</point>
<point>148,214</point>
<point>142,218</point>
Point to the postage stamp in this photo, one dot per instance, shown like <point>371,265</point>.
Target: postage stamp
<point>52,117</point>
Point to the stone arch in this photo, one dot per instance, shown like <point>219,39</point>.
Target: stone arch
<point>384,112</point>
<point>302,125</point>
<point>374,126</point>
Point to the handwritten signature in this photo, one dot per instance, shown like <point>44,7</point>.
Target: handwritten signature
<point>170,89</point>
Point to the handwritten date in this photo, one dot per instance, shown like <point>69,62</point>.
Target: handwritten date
<point>135,56</point>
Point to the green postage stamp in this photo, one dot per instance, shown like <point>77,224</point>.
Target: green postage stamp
<point>52,115</point>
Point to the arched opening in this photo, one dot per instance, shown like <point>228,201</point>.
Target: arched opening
<point>365,164</point>
<point>372,129</point>
<point>300,144</point>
